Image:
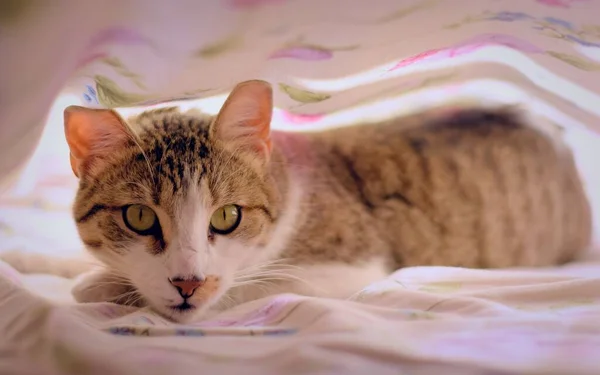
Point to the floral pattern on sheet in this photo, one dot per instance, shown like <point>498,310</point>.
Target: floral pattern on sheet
<point>257,322</point>
<point>309,52</point>
<point>112,93</point>
<point>116,64</point>
<point>198,332</point>
<point>98,44</point>
<point>469,46</point>
<point>561,3</point>
<point>552,27</point>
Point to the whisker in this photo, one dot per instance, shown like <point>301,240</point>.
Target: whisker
<point>126,294</point>
<point>226,302</point>
<point>277,262</point>
<point>268,274</point>
<point>132,297</point>
<point>254,282</point>
<point>104,284</point>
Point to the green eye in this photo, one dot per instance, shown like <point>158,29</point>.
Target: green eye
<point>226,219</point>
<point>140,219</point>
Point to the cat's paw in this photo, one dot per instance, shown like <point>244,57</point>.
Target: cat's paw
<point>102,286</point>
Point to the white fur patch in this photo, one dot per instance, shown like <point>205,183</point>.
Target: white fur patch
<point>334,280</point>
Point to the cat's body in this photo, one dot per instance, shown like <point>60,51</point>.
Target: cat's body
<point>321,213</point>
<point>480,189</point>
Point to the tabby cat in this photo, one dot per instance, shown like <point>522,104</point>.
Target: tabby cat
<point>191,213</point>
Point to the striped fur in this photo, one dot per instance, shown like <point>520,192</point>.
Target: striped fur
<point>331,211</point>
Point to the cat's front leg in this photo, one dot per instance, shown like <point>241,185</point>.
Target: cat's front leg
<point>102,286</point>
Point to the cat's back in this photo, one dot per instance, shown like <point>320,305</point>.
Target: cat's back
<point>477,188</point>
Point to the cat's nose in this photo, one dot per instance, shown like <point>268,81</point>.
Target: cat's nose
<point>187,286</point>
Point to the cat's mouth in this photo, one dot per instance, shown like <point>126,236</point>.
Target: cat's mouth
<point>185,306</point>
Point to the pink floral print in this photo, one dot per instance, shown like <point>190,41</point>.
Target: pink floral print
<point>298,119</point>
<point>95,49</point>
<point>560,3</point>
<point>306,53</point>
<point>468,47</point>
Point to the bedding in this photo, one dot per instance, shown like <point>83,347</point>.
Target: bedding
<point>418,321</point>
<point>331,63</point>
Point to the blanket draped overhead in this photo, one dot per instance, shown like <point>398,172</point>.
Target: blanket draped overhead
<point>330,61</point>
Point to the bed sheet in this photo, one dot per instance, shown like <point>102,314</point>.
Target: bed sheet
<point>420,320</point>
<point>331,63</point>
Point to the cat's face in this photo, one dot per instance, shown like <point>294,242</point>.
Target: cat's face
<point>184,209</point>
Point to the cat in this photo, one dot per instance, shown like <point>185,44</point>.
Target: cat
<point>189,213</point>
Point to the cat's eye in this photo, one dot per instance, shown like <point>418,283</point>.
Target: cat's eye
<point>226,219</point>
<point>140,219</point>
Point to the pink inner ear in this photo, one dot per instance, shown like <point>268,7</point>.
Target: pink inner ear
<point>92,133</point>
<point>245,119</point>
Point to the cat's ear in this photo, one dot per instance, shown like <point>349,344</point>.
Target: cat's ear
<point>92,134</point>
<point>244,122</point>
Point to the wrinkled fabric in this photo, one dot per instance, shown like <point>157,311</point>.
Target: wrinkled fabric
<point>326,59</point>
<point>419,320</point>
<point>330,63</point>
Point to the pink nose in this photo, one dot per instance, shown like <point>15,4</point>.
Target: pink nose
<point>187,287</point>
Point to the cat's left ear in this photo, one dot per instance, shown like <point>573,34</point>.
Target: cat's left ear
<point>244,122</point>
<point>93,136</point>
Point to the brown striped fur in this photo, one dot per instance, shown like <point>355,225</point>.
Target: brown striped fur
<point>475,188</point>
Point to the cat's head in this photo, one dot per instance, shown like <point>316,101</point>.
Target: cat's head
<point>178,203</point>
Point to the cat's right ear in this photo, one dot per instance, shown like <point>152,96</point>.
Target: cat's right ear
<point>92,135</point>
<point>244,122</point>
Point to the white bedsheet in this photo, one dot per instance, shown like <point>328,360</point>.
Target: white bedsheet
<point>420,320</point>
